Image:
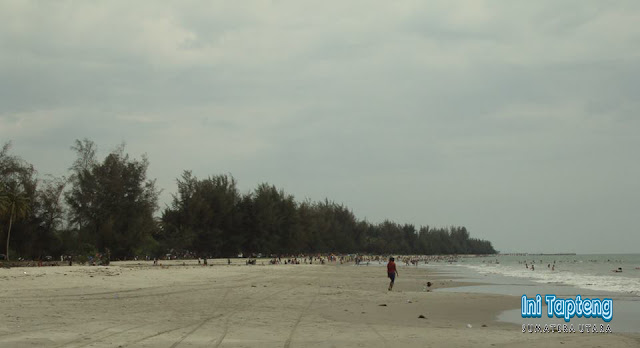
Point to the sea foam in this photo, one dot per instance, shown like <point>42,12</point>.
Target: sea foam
<point>617,283</point>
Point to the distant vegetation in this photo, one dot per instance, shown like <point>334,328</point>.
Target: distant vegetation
<point>110,204</point>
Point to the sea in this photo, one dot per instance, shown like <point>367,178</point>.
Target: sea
<point>593,272</point>
<point>615,276</point>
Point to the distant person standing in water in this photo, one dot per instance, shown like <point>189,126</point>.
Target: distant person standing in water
<point>392,272</point>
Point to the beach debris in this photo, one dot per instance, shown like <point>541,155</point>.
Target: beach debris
<point>422,316</point>
<point>484,325</point>
<point>409,301</point>
<point>253,286</point>
<point>469,326</point>
<point>382,305</point>
<point>25,272</point>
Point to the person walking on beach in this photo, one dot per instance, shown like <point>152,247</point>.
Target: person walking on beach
<point>392,272</point>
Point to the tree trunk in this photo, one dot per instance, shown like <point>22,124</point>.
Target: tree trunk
<point>9,231</point>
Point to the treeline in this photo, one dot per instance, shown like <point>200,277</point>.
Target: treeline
<point>109,204</point>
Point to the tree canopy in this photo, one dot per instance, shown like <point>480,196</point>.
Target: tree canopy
<point>111,202</point>
<point>111,205</point>
<point>210,216</point>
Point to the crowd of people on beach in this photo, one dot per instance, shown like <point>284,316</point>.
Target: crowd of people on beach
<point>297,260</point>
<point>321,259</point>
<point>103,259</point>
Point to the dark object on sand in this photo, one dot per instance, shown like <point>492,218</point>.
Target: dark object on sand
<point>484,325</point>
<point>422,316</point>
<point>428,284</point>
<point>382,305</point>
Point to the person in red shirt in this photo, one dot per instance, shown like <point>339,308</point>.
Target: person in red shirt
<point>392,272</point>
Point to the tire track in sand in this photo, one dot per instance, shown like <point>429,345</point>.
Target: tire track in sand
<point>176,343</point>
<point>384,340</point>
<point>83,337</point>
<point>84,344</point>
<point>136,293</point>
<point>154,335</point>
<point>206,320</point>
<point>218,342</point>
<point>287,343</point>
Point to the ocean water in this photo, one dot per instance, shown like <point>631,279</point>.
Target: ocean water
<point>591,272</point>
<point>588,275</point>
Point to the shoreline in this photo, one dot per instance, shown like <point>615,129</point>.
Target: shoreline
<point>626,307</point>
<point>135,304</point>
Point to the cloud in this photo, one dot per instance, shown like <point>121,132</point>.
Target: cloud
<point>514,119</point>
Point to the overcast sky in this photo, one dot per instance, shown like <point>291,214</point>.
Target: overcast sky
<point>516,119</point>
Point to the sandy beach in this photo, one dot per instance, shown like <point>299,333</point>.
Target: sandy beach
<point>136,304</point>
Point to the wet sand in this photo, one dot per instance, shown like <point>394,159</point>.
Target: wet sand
<point>135,304</point>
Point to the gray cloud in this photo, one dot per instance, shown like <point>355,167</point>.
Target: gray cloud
<point>517,120</point>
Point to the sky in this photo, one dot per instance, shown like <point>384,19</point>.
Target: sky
<point>516,119</point>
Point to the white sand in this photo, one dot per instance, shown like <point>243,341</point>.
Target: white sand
<point>138,305</point>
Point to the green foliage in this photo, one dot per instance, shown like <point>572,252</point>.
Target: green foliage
<point>109,204</point>
<point>203,217</point>
<point>210,217</point>
<point>16,206</point>
<point>17,190</point>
